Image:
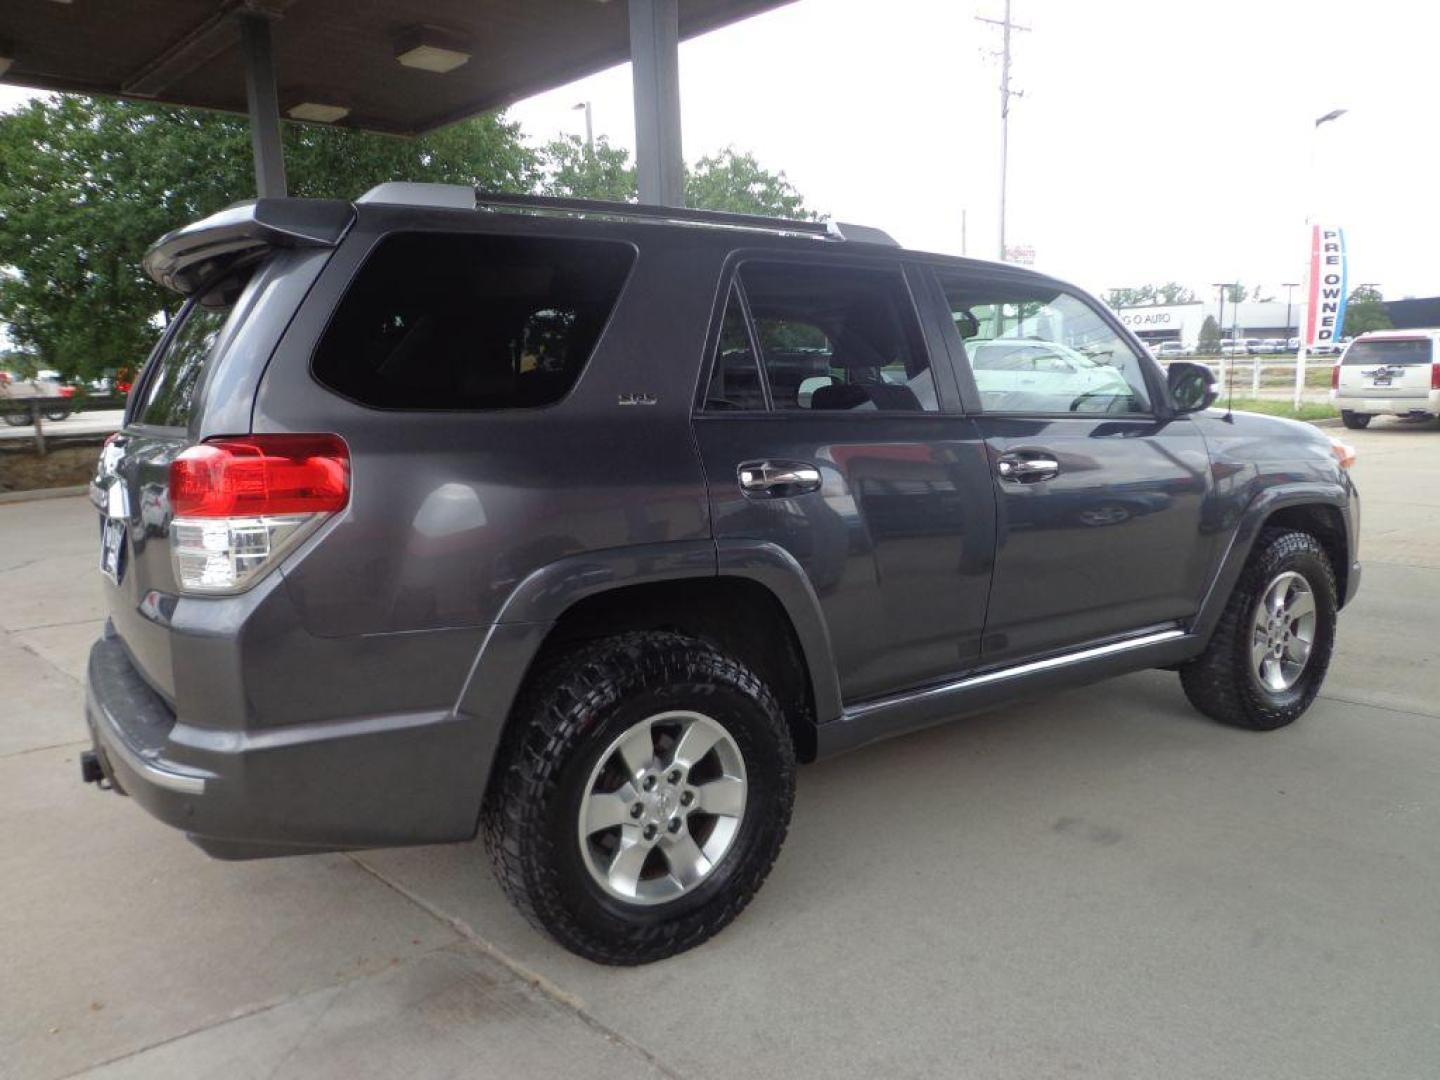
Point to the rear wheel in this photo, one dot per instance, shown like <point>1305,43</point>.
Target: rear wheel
<point>1269,653</point>
<point>1355,419</point>
<point>17,417</point>
<point>642,795</point>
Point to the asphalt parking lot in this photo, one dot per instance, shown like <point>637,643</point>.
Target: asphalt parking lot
<point>1098,884</point>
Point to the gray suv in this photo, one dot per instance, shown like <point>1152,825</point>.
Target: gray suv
<point>578,525</point>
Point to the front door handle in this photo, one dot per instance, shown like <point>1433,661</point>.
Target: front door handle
<point>777,479</point>
<point>1027,470</point>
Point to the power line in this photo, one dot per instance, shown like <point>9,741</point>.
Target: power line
<point>1007,26</point>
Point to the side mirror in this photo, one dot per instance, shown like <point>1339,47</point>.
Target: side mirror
<point>1192,386</point>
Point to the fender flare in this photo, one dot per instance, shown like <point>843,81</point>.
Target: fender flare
<point>1242,541</point>
<point>545,594</point>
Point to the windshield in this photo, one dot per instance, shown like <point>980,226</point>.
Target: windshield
<point>1395,351</point>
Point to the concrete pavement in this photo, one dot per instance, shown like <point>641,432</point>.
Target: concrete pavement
<point>1101,883</point>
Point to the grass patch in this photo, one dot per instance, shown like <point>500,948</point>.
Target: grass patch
<point>1309,410</point>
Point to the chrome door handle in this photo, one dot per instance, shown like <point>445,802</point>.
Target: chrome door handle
<point>1027,470</point>
<point>778,479</point>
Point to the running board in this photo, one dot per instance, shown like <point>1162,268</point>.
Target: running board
<point>910,711</point>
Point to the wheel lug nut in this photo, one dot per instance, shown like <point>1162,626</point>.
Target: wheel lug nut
<point>648,783</point>
<point>686,798</point>
<point>674,825</point>
<point>674,776</point>
<point>636,810</point>
<point>650,831</point>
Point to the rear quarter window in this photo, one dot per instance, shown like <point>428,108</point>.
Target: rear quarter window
<point>170,389</point>
<point>460,322</point>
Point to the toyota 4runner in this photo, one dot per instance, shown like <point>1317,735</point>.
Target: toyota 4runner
<point>579,524</point>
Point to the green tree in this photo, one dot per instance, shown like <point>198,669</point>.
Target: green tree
<point>582,172</point>
<point>737,183</point>
<point>1236,294</point>
<point>1365,311</point>
<point>1123,298</point>
<point>86,185</point>
<point>1172,292</point>
<point>1209,336</point>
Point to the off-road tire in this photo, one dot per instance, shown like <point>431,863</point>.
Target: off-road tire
<point>1355,420</point>
<point>569,711</point>
<point>1221,682</point>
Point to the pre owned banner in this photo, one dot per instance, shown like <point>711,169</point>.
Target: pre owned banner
<point>1328,286</point>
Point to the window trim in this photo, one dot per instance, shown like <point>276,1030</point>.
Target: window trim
<point>1155,385</point>
<point>731,276</point>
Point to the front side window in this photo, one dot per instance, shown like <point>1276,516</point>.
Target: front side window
<point>1038,349</point>
<point>466,321</point>
<point>835,338</point>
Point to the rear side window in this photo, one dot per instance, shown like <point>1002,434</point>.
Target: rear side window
<point>443,321</point>
<point>830,338</point>
<point>174,380</point>
<point>1404,351</point>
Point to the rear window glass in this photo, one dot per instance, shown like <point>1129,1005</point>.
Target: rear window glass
<point>1402,351</point>
<point>169,391</point>
<point>437,321</point>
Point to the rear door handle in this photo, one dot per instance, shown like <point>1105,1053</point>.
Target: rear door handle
<point>777,479</point>
<point>1020,469</point>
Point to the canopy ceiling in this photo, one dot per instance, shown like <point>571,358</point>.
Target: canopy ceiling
<point>186,52</point>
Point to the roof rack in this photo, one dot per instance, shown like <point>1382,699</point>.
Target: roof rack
<point>459,197</point>
<point>824,230</point>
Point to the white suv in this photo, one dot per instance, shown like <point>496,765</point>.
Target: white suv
<point>1388,373</point>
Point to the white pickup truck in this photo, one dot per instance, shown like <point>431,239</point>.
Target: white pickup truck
<point>17,396</point>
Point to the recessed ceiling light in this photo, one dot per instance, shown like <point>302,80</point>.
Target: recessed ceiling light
<point>432,48</point>
<point>318,111</point>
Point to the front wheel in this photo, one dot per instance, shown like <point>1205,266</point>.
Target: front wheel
<point>642,794</point>
<point>17,417</point>
<point>1271,649</point>
<point>1355,420</point>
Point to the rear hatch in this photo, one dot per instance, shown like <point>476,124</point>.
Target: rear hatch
<point>242,273</point>
<point>1387,367</point>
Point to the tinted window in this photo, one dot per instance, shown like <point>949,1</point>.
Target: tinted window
<point>1399,351</point>
<point>838,338</point>
<point>437,321</point>
<point>170,389</point>
<point>735,381</point>
<point>1035,349</point>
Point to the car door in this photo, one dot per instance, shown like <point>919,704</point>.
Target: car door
<point>825,429</point>
<point>1099,490</point>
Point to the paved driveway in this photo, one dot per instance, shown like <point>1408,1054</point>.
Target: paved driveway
<point>1099,883</point>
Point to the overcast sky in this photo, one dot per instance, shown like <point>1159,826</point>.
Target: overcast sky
<point>1157,139</point>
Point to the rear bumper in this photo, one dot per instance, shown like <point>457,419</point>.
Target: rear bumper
<point>1410,404</point>
<point>359,782</point>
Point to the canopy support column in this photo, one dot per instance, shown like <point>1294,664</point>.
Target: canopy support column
<point>264,104</point>
<point>655,61</point>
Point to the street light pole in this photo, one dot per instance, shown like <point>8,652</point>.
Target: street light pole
<point>589,125</point>
<point>1300,356</point>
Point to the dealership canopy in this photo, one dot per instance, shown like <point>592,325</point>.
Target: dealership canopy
<point>403,67</point>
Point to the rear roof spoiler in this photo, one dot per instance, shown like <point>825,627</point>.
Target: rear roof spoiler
<point>191,257</point>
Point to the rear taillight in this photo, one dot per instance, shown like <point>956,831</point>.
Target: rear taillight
<point>241,503</point>
<point>1335,377</point>
<point>1435,376</point>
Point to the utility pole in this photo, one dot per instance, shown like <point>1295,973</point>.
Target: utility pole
<point>1006,27</point>
<point>1289,287</point>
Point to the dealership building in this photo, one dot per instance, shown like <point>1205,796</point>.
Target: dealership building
<point>1181,322</point>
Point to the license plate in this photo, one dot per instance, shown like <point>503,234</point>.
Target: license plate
<point>112,549</point>
<point>1381,380</point>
